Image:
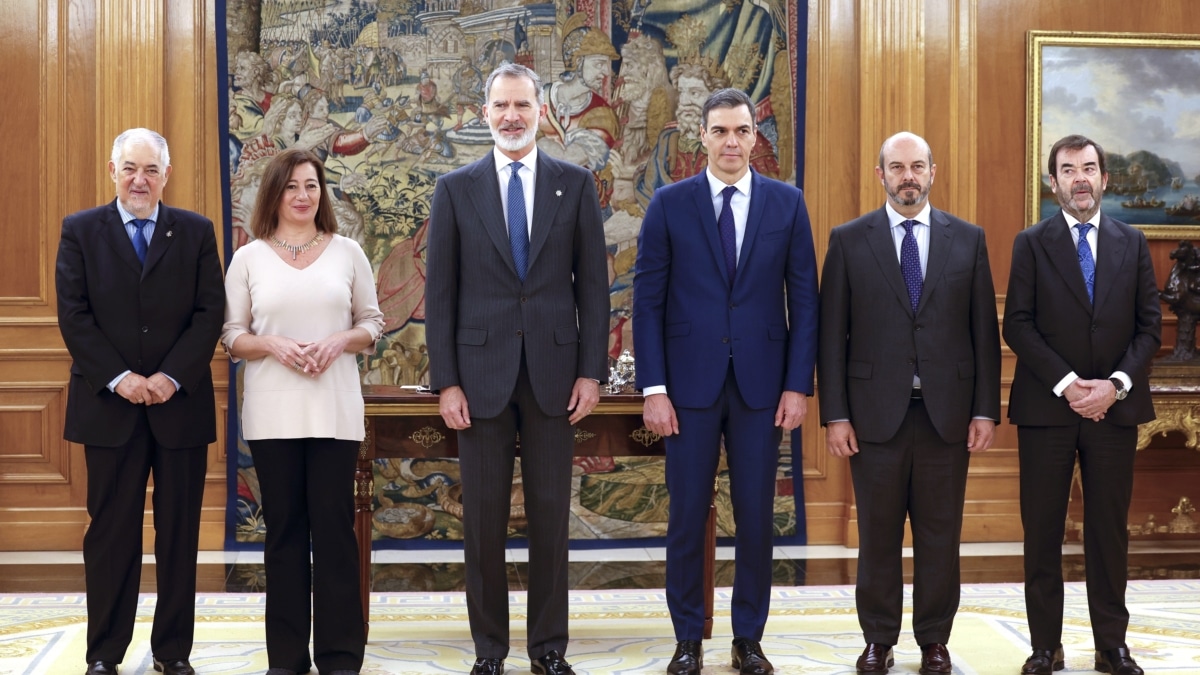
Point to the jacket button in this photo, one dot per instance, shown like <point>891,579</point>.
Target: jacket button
<point>910,361</point>
<point>145,329</point>
<point>725,340</point>
<point>520,333</point>
<point>1093,329</point>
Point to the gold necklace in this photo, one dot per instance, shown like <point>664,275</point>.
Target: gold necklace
<point>298,248</point>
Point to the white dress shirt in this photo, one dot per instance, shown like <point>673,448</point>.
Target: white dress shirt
<point>527,173</point>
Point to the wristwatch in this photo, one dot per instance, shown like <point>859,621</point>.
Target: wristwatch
<point>1122,392</point>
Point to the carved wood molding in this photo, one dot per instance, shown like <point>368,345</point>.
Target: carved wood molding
<point>1173,414</point>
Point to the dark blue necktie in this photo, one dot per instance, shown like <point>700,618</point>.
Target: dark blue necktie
<point>1086,262</point>
<point>910,265</point>
<point>139,238</point>
<point>518,233</point>
<point>728,232</point>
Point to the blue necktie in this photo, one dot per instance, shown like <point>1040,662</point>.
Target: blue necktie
<point>139,238</point>
<point>1086,262</point>
<point>518,232</point>
<point>910,265</point>
<point>728,232</point>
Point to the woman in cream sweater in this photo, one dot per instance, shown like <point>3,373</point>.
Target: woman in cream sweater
<point>300,303</point>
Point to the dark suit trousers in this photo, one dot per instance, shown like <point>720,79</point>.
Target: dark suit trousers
<point>112,547</point>
<point>1106,453</point>
<point>486,454</point>
<point>918,475</point>
<point>752,455</point>
<point>308,498</point>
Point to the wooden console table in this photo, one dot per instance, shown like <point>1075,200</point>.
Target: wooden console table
<point>405,424</point>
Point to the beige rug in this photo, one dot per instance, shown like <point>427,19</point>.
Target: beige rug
<point>812,630</point>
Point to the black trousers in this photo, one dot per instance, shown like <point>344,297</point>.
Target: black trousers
<point>1106,453</point>
<point>486,455</point>
<point>307,489</point>
<point>918,475</point>
<point>112,546</point>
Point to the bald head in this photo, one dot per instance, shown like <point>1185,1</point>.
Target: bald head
<point>907,137</point>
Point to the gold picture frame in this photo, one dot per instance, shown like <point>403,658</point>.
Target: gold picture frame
<point>1138,96</point>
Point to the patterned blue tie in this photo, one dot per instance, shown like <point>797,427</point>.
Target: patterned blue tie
<point>1086,262</point>
<point>139,238</point>
<point>518,232</point>
<point>910,265</point>
<point>728,232</point>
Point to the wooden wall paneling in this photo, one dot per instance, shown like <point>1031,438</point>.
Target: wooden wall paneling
<point>832,169</point>
<point>130,55</point>
<point>22,258</point>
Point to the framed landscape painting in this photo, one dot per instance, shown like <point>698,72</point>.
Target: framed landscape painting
<point>1138,96</point>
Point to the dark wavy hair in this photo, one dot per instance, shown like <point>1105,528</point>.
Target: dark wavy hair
<point>265,218</point>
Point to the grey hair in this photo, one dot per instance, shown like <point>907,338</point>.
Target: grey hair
<point>144,136</point>
<point>515,70</point>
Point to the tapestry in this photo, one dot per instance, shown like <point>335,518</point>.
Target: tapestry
<point>389,94</point>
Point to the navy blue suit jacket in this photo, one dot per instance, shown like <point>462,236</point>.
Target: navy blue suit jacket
<point>687,318</point>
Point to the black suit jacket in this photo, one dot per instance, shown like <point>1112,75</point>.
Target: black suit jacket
<point>1053,329</point>
<point>479,315</point>
<point>870,337</point>
<point>117,314</point>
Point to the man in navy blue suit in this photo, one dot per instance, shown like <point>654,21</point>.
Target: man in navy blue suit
<point>725,329</point>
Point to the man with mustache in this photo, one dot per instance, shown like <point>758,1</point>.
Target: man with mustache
<point>1082,315</point>
<point>516,298</point>
<point>909,375</point>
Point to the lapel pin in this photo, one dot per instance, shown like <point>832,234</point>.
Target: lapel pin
<point>170,233</point>
<point>558,193</point>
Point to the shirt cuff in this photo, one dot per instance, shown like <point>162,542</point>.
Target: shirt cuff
<point>1123,378</point>
<point>112,386</point>
<point>173,381</point>
<point>656,389</point>
<point>1064,383</point>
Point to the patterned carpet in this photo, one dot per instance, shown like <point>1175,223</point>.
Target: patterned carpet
<point>812,630</point>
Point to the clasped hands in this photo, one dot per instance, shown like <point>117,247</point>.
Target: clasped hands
<point>309,358</point>
<point>140,390</point>
<point>1091,398</point>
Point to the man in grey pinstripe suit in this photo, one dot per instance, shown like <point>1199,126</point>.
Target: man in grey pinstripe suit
<point>517,318</point>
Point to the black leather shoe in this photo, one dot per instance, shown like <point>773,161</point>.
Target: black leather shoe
<point>551,663</point>
<point>1044,662</point>
<point>488,667</point>
<point>935,659</point>
<point>876,658</point>
<point>174,667</point>
<point>688,659</point>
<point>748,657</point>
<point>1117,661</point>
<point>102,668</point>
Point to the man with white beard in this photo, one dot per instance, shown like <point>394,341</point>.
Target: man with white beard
<point>516,299</point>
<point>679,153</point>
<point>580,125</point>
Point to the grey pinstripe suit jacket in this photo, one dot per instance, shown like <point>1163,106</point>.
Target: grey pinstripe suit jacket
<point>480,317</point>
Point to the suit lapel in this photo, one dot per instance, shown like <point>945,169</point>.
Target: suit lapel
<point>116,236</point>
<point>485,196</point>
<point>883,245</point>
<point>547,196</point>
<point>164,236</point>
<point>703,201</point>
<point>754,217</point>
<point>1056,240</point>
<point>1113,247</point>
<point>940,237</point>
